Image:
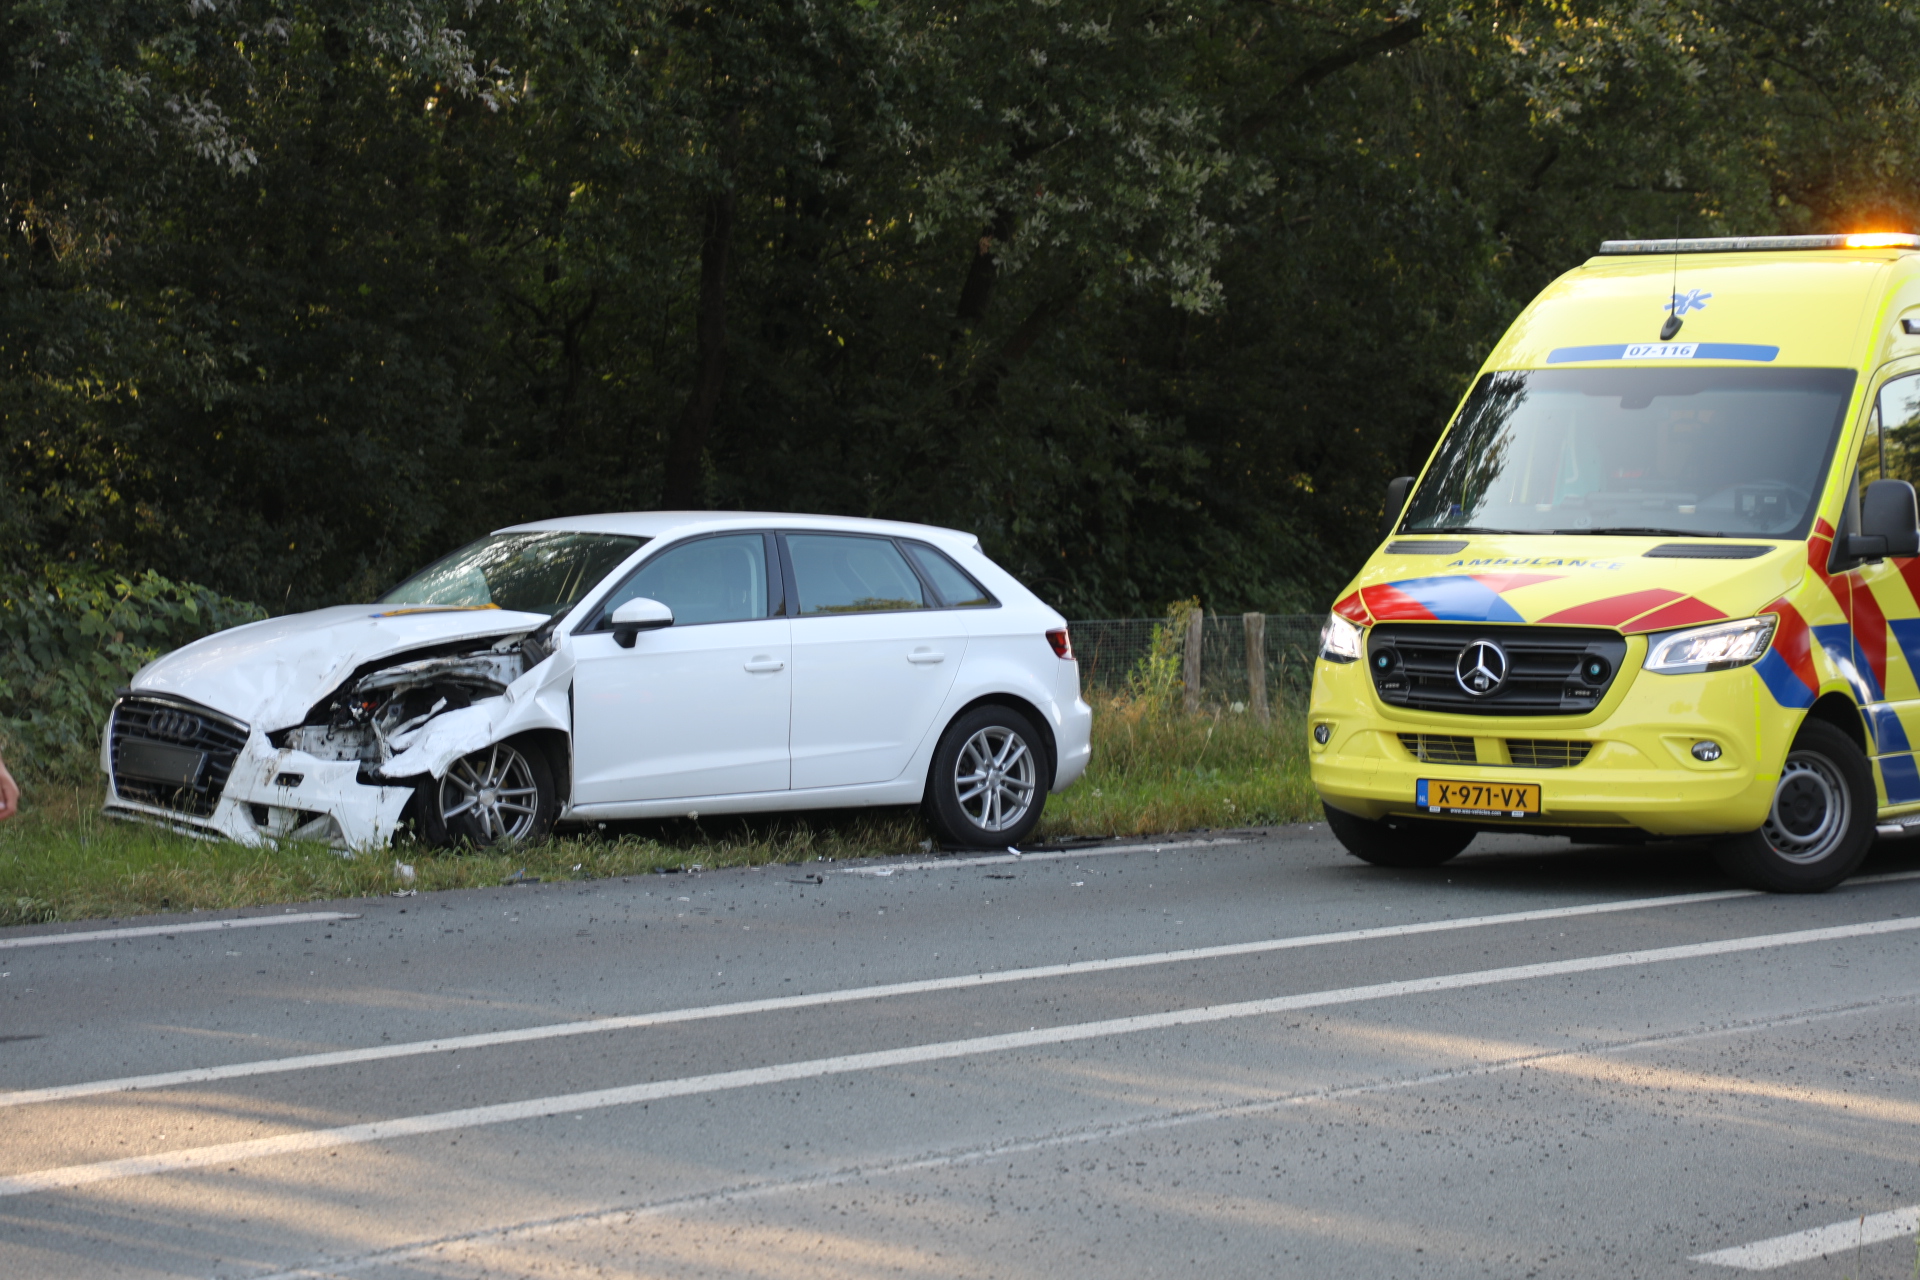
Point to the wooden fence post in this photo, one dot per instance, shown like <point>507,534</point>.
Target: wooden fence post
<point>1190,668</point>
<point>1256,625</point>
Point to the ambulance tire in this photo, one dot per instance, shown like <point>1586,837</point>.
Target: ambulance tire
<point>1821,824</point>
<point>1398,842</point>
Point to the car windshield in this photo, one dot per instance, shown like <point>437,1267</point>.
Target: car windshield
<point>534,572</point>
<point>1713,453</point>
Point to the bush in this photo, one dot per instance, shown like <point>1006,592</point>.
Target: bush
<point>70,636</point>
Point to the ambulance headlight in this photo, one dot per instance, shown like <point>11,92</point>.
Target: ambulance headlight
<point>1339,640</point>
<point>1714,648</point>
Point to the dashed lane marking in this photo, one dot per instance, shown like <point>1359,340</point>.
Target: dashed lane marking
<point>1049,855</point>
<point>1155,1123</point>
<point>775,1004</point>
<point>231,1153</point>
<point>168,930</point>
<point>1818,1242</point>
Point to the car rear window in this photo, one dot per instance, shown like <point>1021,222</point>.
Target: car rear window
<point>836,573</point>
<point>955,587</point>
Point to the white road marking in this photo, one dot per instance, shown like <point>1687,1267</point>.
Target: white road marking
<point>626,1095</point>
<point>631,1022</point>
<point>999,859</point>
<point>537,1228</point>
<point>1818,1242</point>
<point>168,930</point>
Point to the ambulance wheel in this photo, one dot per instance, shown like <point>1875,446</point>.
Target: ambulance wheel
<point>1398,842</point>
<point>1821,824</point>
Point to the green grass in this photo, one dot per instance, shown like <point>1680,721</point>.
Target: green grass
<point>60,859</point>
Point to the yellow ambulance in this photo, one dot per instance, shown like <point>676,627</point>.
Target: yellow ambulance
<point>1658,578</point>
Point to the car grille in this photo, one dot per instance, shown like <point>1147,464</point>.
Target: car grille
<point>1439,748</point>
<point>1551,670</point>
<point>176,731</point>
<point>1547,753</point>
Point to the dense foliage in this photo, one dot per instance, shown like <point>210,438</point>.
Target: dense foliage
<point>295,294</point>
<point>70,637</point>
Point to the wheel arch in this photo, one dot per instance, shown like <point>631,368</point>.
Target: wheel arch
<point>557,749</point>
<point>1033,716</point>
<point>1839,711</point>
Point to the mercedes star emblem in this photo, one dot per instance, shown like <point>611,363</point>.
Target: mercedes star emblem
<point>1481,668</point>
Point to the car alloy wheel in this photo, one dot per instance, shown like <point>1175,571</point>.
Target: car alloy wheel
<point>987,784</point>
<point>492,794</point>
<point>994,778</point>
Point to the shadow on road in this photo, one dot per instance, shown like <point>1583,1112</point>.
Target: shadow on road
<point>1522,863</point>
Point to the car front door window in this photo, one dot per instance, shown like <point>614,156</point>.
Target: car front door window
<point>709,580</point>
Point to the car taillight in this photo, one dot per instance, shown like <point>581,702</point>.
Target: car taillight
<point>1062,644</point>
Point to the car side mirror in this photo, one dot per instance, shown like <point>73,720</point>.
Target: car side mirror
<point>637,615</point>
<point>1396,503</point>
<point>1889,522</point>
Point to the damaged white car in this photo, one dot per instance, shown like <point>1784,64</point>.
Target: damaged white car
<point>649,664</point>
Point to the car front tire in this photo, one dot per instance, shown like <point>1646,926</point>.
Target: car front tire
<point>1821,823</point>
<point>989,780</point>
<point>500,795</point>
<point>1398,842</point>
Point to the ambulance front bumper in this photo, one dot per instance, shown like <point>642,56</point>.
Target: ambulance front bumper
<point>1630,763</point>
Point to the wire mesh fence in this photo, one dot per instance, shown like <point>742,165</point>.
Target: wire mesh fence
<point>1109,649</point>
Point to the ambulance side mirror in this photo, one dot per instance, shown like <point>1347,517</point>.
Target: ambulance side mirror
<point>1396,503</point>
<point>1889,522</point>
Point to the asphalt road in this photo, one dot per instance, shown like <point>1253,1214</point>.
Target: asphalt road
<point>1243,1054</point>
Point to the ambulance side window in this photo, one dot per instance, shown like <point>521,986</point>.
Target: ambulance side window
<point>1891,450</point>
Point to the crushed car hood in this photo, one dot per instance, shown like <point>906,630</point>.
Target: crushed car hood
<point>270,673</point>
<point>1635,584</point>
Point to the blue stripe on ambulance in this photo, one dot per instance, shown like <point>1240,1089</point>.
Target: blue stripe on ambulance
<point>1897,769</point>
<point>1787,688</point>
<point>1837,639</point>
<point>1457,598</point>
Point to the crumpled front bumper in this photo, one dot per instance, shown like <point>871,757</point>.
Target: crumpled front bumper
<point>329,802</point>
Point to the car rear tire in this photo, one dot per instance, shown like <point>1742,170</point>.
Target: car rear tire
<point>1821,823</point>
<point>1398,842</point>
<point>500,795</point>
<point>989,780</point>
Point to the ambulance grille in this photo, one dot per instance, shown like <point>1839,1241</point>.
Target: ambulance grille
<point>1547,753</point>
<point>1439,748</point>
<point>1551,671</point>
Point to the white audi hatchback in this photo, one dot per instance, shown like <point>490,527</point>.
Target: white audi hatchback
<point>642,665</point>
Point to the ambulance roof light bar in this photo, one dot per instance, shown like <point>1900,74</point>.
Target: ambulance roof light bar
<point>1764,244</point>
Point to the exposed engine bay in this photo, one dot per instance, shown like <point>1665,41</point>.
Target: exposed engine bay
<point>377,714</point>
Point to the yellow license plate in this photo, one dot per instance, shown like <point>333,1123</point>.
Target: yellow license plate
<point>1478,799</point>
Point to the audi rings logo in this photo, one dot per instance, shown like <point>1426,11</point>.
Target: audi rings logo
<point>176,726</point>
<point>1481,668</point>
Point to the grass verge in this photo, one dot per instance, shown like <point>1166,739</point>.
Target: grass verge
<point>1152,773</point>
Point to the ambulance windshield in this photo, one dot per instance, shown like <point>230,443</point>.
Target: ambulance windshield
<point>1700,453</point>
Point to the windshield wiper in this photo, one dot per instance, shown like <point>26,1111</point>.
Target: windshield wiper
<point>1647,530</point>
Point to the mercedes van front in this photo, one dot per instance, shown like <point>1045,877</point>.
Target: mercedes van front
<point>1659,576</point>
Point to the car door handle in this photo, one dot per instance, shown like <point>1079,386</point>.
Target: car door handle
<point>926,655</point>
<point>765,664</point>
